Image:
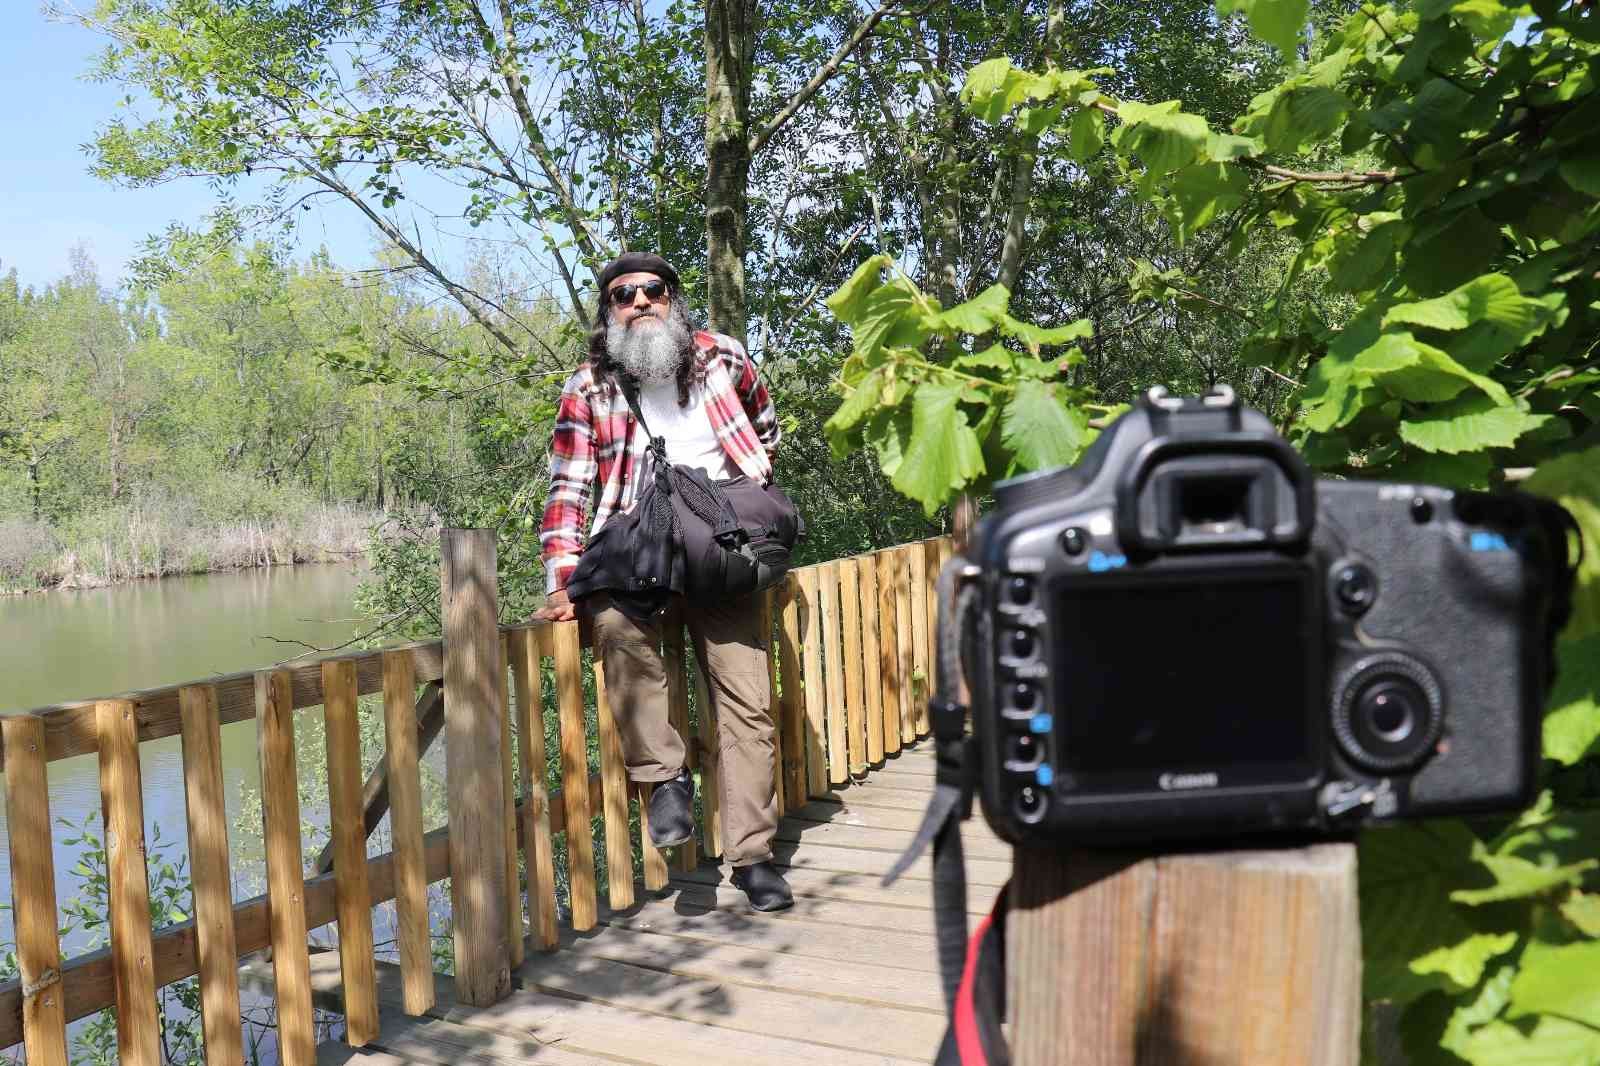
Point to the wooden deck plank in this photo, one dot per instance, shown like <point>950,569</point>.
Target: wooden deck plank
<point>813,885</point>
<point>837,1025</point>
<point>855,861</point>
<point>896,798</point>
<point>892,842</point>
<point>418,1040</point>
<point>974,828</point>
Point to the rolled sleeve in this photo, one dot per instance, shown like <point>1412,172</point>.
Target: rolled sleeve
<point>573,468</point>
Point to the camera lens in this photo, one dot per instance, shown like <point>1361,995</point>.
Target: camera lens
<point>1388,713</point>
<point>1030,803</point>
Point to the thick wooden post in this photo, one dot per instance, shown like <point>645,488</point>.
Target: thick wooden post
<point>1225,957</point>
<point>473,738</point>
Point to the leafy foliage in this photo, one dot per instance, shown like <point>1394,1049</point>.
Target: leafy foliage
<point>1431,170</point>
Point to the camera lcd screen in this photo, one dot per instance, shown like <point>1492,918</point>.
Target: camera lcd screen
<point>1186,672</point>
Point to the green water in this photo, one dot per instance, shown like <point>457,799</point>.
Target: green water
<point>62,646</point>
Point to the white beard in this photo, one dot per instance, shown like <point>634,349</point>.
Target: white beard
<point>651,354</point>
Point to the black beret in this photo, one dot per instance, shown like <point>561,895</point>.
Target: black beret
<point>638,262</point>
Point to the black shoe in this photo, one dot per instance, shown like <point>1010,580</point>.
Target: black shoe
<point>765,886</point>
<point>672,811</point>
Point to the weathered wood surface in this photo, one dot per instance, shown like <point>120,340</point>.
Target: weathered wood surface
<point>352,889</point>
<point>690,975</point>
<point>1231,957</point>
<point>41,1019</point>
<point>403,776</point>
<point>280,837</point>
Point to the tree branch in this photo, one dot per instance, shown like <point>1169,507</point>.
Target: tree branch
<point>820,78</point>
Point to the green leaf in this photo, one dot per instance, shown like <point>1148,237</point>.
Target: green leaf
<point>1410,370</point>
<point>1469,470</point>
<point>857,405</point>
<point>1201,191</point>
<point>1405,872</point>
<point>943,453</point>
<point>1366,261</point>
<point>994,87</point>
<point>1463,964</point>
<point>1573,480</point>
<point>1518,878</point>
<point>846,304</point>
<point>979,314</point>
<point>1558,980</point>
<point>1581,170</point>
<point>1573,722</point>
<point>1551,1042</point>
<point>1088,134</point>
<point>1278,22</point>
<point>1163,137</point>
<point>889,314</point>
<point>1492,298</point>
<point>1036,337</point>
<point>1582,909</point>
<point>1304,114</point>
<point>1041,430</point>
<point>1469,424</point>
<point>994,357</point>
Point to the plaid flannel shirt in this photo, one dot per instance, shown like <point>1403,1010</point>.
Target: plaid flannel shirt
<point>596,441</point>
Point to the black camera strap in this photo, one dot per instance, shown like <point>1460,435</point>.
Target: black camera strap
<point>972,971</point>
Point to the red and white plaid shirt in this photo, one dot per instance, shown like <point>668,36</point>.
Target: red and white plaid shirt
<point>596,440</point>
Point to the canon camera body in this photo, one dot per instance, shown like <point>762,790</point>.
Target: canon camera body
<point>1187,634</point>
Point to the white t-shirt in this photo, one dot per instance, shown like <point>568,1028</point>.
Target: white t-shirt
<point>690,439</point>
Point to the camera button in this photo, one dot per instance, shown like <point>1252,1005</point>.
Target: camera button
<point>1074,541</point>
<point>1022,643</point>
<point>1023,751</point>
<point>1044,775</point>
<point>1020,590</point>
<point>1043,722</point>
<point>1421,510</point>
<point>1356,587</point>
<point>1024,695</point>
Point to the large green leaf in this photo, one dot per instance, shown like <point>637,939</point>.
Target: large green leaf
<point>846,303</point>
<point>1463,964</point>
<point>994,87</point>
<point>1558,980</point>
<point>1574,480</point>
<point>1303,115</point>
<point>1421,373</point>
<point>1201,191</point>
<point>1088,133</point>
<point>1036,337</point>
<point>1366,261</point>
<point>1551,1042</point>
<point>1519,878</point>
<point>1278,22</point>
<point>1469,424</point>
<point>979,314</point>
<point>1573,722</point>
<point>943,453</point>
<point>1164,137</point>
<point>1405,875</point>
<point>1491,298</point>
<point>1040,429</point>
<point>857,405</point>
<point>888,313</point>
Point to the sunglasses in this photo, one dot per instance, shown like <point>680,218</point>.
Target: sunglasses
<point>623,295</point>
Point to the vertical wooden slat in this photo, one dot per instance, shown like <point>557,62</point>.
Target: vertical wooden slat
<point>209,872</point>
<point>850,645</point>
<point>33,890</point>
<point>686,856</point>
<point>774,707</point>
<point>405,828</point>
<point>357,965</point>
<point>918,589</point>
<point>933,555</point>
<point>710,762</point>
<point>128,890</point>
<point>568,655</point>
<point>516,929</point>
<point>814,686</point>
<point>655,863</point>
<point>905,643</point>
<point>888,654</point>
<point>614,792</point>
<point>833,658</point>
<point>537,843</point>
<point>791,698</point>
<point>867,572</point>
<point>480,925</point>
<point>280,835</point>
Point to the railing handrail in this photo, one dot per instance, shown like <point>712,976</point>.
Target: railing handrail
<point>842,713</point>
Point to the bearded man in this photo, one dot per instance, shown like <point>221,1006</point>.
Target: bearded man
<point>702,393</point>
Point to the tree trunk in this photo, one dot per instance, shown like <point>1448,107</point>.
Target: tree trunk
<point>34,490</point>
<point>730,44</point>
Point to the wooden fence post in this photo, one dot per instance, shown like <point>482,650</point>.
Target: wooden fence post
<point>473,738</point>
<point>1222,957</point>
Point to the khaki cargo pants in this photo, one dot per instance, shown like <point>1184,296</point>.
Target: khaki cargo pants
<point>731,651</point>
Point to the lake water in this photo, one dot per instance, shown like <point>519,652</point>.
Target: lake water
<point>62,646</point>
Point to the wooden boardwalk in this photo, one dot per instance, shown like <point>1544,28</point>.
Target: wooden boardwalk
<point>691,976</point>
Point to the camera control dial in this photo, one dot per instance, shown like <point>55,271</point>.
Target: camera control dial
<point>1388,712</point>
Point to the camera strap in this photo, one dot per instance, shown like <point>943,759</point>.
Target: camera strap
<point>972,971</point>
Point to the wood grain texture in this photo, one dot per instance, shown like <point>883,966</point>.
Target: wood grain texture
<point>1245,956</point>
<point>516,929</point>
<point>128,885</point>
<point>567,652</point>
<point>687,855</point>
<point>655,863</point>
<point>42,1019</point>
<point>933,556</point>
<point>813,685</point>
<point>791,695</point>
<point>906,640</point>
<point>70,728</point>
<point>833,671</point>
<point>209,871</point>
<point>475,794</point>
<point>888,662</point>
<point>867,574</point>
<point>343,734</point>
<point>539,845</point>
<point>614,782</point>
<point>855,703</point>
<point>404,775</point>
<point>917,587</point>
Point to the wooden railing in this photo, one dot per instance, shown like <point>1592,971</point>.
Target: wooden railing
<point>851,651</point>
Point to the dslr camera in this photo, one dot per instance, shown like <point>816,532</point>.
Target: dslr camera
<point>1189,635</point>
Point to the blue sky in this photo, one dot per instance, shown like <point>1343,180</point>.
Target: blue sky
<point>49,201</point>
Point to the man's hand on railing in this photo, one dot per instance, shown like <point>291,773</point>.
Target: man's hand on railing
<point>557,608</point>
